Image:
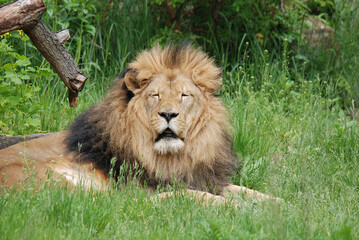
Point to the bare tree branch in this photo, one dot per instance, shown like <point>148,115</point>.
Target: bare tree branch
<point>26,15</point>
<point>60,59</point>
<point>12,140</point>
<point>16,14</point>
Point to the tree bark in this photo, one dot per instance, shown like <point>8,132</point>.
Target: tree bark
<point>26,15</point>
<point>12,140</point>
<point>16,14</point>
<point>60,59</point>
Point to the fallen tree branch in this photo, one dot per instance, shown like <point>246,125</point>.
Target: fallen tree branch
<point>16,14</point>
<point>12,140</point>
<point>60,59</point>
<point>26,15</point>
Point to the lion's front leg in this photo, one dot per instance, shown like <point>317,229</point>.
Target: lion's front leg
<point>199,196</point>
<point>243,191</point>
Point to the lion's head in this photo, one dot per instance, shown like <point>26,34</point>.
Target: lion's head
<point>163,114</point>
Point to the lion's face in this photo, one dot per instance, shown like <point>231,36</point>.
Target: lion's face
<point>171,104</point>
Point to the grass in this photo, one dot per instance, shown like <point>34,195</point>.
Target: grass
<point>294,133</point>
<point>84,215</point>
<point>302,151</point>
<point>299,147</point>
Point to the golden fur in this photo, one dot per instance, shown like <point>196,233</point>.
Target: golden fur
<point>161,114</point>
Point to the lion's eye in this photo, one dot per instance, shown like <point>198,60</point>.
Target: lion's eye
<point>156,95</point>
<point>185,95</point>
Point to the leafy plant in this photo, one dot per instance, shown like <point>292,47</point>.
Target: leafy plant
<point>17,90</point>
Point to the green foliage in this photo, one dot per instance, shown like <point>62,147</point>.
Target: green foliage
<point>78,16</point>
<point>17,111</point>
<point>268,22</point>
<point>225,21</point>
<point>324,7</point>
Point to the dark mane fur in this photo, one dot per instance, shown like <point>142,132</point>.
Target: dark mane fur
<point>86,134</point>
<point>85,138</point>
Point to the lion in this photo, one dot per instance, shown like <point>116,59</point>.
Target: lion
<point>162,115</point>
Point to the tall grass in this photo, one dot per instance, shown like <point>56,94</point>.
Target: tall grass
<point>301,148</point>
<point>294,135</point>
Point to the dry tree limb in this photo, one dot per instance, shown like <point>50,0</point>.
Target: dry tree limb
<point>54,51</point>
<point>63,35</point>
<point>16,14</point>
<point>26,15</point>
<point>8,141</point>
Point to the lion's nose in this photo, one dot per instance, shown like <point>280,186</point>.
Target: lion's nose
<point>168,115</point>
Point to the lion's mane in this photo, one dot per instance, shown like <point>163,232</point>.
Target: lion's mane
<point>116,128</point>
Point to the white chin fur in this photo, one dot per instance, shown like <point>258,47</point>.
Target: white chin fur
<point>168,146</point>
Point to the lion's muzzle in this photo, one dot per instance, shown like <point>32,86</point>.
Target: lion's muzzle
<point>167,141</point>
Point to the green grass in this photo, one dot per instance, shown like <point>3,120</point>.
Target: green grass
<point>57,213</point>
<point>299,147</point>
<point>302,151</point>
<point>294,128</point>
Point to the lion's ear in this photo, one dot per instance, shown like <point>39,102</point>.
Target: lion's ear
<point>131,81</point>
<point>135,81</point>
<point>210,80</point>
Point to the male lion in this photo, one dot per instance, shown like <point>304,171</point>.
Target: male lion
<point>162,114</point>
